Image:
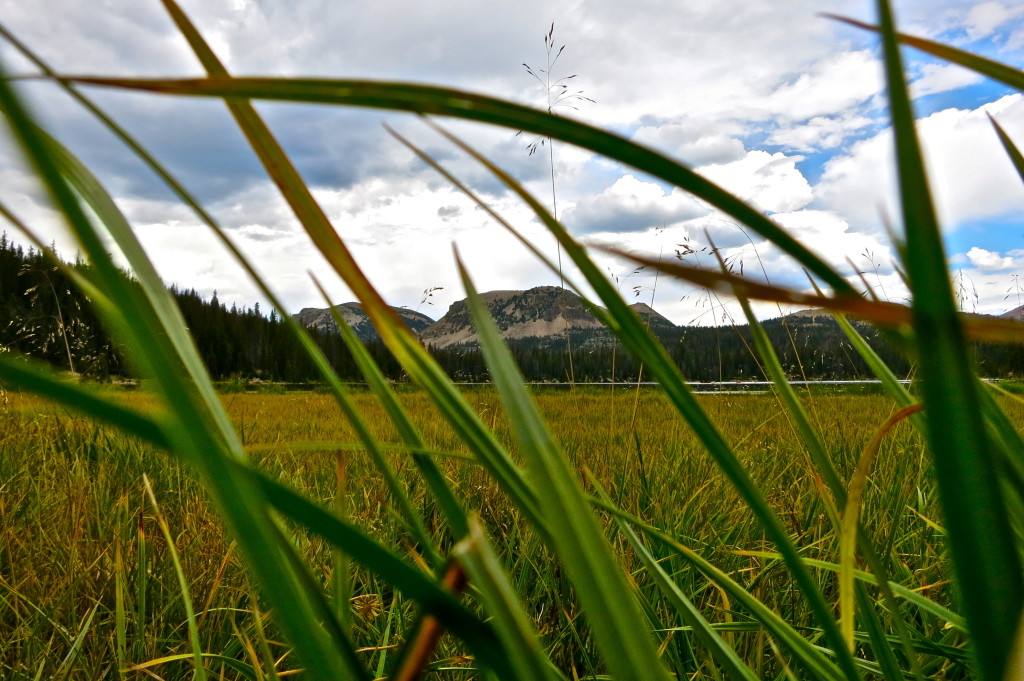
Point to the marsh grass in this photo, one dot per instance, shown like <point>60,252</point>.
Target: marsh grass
<point>87,535</point>
<point>711,541</point>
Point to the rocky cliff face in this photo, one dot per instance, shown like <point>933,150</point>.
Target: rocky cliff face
<point>542,314</point>
<point>356,317</point>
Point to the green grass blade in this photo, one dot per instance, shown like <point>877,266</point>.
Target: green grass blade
<point>851,596</point>
<point>160,301</point>
<point>414,584</point>
<point>1003,73</point>
<point>630,330</point>
<point>619,629</point>
<point>186,595</point>
<point>447,503</point>
<point>76,276</point>
<point>402,344</point>
<point>511,623</point>
<point>984,553</point>
<point>1004,433</point>
<point>925,604</point>
<point>441,101</point>
<point>247,671</point>
<point>169,318</point>
<point>811,658</point>
<point>1011,148</point>
<point>196,435</point>
<point>881,645</point>
<point>890,383</point>
<point>409,516</point>
<point>777,375</point>
<point>76,645</point>
<point>120,611</point>
<point>39,379</point>
<point>723,653</point>
<point>341,566</point>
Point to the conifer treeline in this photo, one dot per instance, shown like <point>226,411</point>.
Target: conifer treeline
<point>43,315</point>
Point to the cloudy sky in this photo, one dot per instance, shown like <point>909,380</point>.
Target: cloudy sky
<point>770,100</point>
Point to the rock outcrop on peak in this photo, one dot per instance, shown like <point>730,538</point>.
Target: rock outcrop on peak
<point>356,317</point>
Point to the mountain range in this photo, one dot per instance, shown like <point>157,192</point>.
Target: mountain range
<point>540,315</point>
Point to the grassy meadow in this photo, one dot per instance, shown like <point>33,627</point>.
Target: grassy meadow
<point>508,533</point>
<point>88,588</point>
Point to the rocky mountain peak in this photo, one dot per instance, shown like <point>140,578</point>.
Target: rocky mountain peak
<point>356,317</point>
<point>543,313</point>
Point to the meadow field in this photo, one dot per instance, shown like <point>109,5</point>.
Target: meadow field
<point>89,589</point>
<point>505,533</point>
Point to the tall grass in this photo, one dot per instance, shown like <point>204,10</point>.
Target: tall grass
<point>629,603</point>
<point>94,512</point>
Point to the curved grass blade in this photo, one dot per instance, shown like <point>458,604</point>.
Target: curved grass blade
<point>619,629</point>
<point>944,614</point>
<point>246,670</point>
<point>877,312</point>
<point>159,300</point>
<point>813,659</point>
<point>1011,148</point>
<point>723,653</point>
<point>402,344</point>
<point>446,501</point>
<point>39,379</point>
<point>441,101</point>
<point>511,623</point>
<point>896,390</point>
<point>838,497</point>
<point>325,369</point>
<point>176,187</point>
<point>414,584</point>
<point>987,67</point>
<point>76,645</point>
<point>976,520</point>
<point>186,596</point>
<point>630,330</point>
<point>411,519</point>
<point>77,277</point>
<point>812,443</point>
<point>851,520</point>
<point>196,433</point>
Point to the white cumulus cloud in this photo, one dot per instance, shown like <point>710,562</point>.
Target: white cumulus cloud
<point>971,176</point>
<point>989,261</point>
<point>988,17</point>
<point>936,78</point>
<point>770,182</point>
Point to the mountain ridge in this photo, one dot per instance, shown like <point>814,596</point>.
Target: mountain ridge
<point>541,314</point>
<point>355,316</point>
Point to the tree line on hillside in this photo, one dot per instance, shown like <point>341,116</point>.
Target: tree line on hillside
<point>43,315</point>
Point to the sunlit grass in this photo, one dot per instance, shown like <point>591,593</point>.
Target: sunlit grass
<point>75,532</point>
<point>702,540</point>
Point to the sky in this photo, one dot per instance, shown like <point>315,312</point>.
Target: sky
<point>771,100</point>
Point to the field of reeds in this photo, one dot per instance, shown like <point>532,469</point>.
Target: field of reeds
<point>527,537</point>
<point>89,585</point>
